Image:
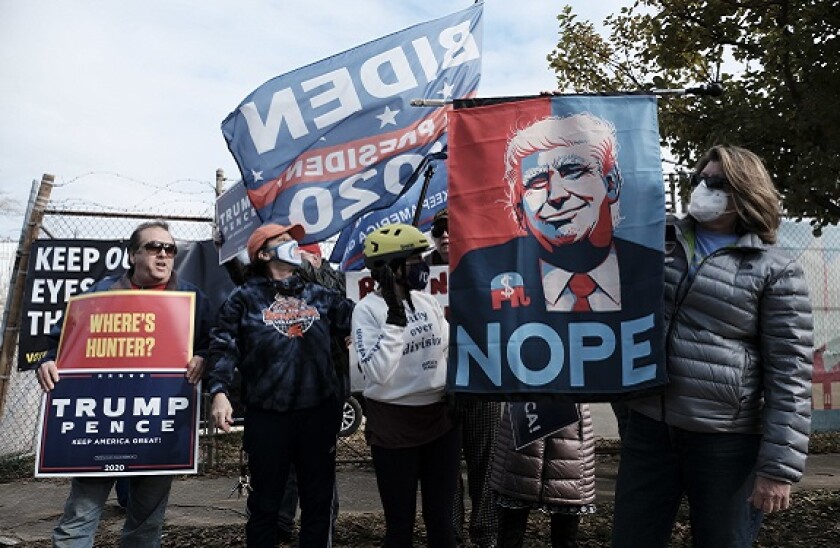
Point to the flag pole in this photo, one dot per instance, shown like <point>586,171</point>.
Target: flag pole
<point>714,89</point>
<point>430,102</point>
<point>427,177</point>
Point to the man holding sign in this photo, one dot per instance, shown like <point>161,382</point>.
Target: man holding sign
<point>152,251</point>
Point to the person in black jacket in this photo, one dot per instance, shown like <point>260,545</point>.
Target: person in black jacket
<point>272,328</point>
<point>314,269</point>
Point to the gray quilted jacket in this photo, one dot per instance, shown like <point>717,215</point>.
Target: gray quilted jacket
<point>557,470</point>
<point>739,344</point>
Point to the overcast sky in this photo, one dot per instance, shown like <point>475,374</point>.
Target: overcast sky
<point>120,98</point>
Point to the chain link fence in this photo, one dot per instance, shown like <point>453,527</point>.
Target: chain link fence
<point>23,397</point>
<point>7,263</point>
<point>819,257</point>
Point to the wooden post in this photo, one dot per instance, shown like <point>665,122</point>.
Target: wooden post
<point>14,304</point>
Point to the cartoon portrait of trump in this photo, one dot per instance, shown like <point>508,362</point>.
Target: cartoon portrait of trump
<point>564,184</point>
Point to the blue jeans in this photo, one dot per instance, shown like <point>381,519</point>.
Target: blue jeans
<point>661,463</point>
<point>147,500</point>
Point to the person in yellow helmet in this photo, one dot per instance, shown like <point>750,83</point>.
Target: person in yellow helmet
<point>402,337</point>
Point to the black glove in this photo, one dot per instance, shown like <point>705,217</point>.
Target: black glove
<point>396,308</point>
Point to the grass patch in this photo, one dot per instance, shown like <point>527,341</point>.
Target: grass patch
<point>16,467</point>
<point>824,442</point>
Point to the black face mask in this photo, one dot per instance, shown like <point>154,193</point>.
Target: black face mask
<point>288,286</point>
<point>417,276</point>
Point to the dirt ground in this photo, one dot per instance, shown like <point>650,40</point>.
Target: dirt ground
<point>813,521</point>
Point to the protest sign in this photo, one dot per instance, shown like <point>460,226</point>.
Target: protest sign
<point>114,423</point>
<point>360,283</point>
<point>122,404</point>
<point>59,269</point>
<point>128,330</point>
<point>557,221</point>
<point>534,420</point>
<point>236,219</point>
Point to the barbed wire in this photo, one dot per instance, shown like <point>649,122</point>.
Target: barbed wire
<point>204,197</point>
<point>161,190</point>
<point>157,186</point>
<point>73,204</point>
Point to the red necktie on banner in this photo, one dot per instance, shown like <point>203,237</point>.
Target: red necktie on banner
<point>582,285</point>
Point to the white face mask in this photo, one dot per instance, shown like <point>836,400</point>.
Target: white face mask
<point>707,205</point>
<point>288,253</point>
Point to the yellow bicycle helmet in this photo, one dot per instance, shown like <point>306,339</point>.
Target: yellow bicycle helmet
<point>395,241</point>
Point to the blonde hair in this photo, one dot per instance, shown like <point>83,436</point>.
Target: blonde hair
<point>756,199</point>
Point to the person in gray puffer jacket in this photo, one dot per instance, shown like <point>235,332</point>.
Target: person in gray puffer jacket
<point>554,474</point>
<point>731,429</point>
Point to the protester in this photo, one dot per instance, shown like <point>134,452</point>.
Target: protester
<point>151,256</point>
<point>478,421</point>
<point>401,338</point>
<point>731,429</point>
<point>440,237</point>
<point>555,474</point>
<point>272,328</point>
<point>314,269</point>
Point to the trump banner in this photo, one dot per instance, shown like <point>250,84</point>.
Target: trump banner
<point>557,219</point>
<point>236,219</point>
<point>326,143</point>
<point>123,405</point>
<point>347,252</point>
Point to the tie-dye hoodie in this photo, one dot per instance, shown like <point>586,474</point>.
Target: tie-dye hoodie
<point>277,333</point>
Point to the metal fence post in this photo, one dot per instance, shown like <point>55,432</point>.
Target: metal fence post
<point>11,319</point>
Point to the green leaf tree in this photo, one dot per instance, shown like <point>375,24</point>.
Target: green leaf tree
<point>779,61</point>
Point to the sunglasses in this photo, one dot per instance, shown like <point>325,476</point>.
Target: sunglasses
<point>711,181</point>
<point>439,228</point>
<point>154,247</point>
